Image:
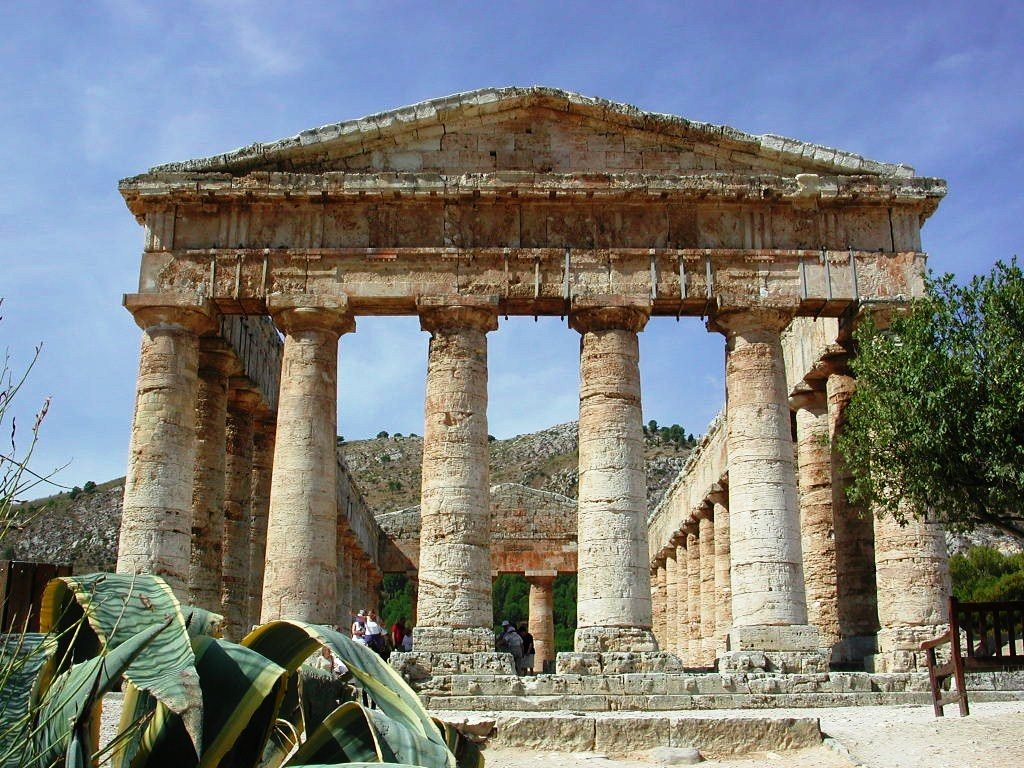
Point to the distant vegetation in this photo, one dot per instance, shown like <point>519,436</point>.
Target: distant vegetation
<point>674,434</point>
<point>985,575</point>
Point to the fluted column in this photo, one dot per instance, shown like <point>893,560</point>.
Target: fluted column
<point>768,600</point>
<point>672,628</point>
<point>658,605</point>
<point>234,600</point>
<point>156,525</point>
<point>299,581</point>
<point>683,645</point>
<point>693,612</point>
<point>542,616</point>
<point>414,589</point>
<point>817,525</point>
<point>343,577</point>
<point>455,611</point>
<point>614,597</point>
<point>723,589</point>
<point>216,363</point>
<point>264,430</point>
<point>855,535</point>
<point>706,541</point>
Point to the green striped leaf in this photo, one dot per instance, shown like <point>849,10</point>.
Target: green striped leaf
<point>242,691</point>
<point>22,658</point>
<point>115,607</point>
<point>467,753</point>
<point>346,735</point>
<point>70,706</point>
<point>290,642</point>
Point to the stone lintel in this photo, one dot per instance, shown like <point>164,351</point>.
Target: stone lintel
<point>453,313</point>
<point>294,312</point>
<point>190,312</point>
<point>770,318</point>
<point>609,313</point>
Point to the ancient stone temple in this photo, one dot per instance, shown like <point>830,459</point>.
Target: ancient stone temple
<point>531,201</point>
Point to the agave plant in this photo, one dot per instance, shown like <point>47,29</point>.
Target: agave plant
<point>193,699</point>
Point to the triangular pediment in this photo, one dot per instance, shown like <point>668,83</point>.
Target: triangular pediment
<point>542,130</point>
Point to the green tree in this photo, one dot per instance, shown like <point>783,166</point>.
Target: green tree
<point>936,426</point>
<point>984,574</point>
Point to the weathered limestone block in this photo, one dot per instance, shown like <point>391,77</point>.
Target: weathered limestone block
<point>264,430</point>
<point>299,580</point>
<point>818,535</point>
<point>242,404</point>
<point>723,590</point>
<point>455,525</point>
<point>614,598</point>
<point>706,542</point>
<point>767,571</point>
<point>156,525</point>
<point>913,589</point>
<point>542,617</point>
<point>855,536</point>
<point>695,654</point>
<point>216,364</point>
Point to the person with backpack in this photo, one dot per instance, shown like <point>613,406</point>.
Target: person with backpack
<point>511,641</point>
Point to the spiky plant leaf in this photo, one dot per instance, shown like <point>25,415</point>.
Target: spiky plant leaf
<point>22,658</point>
<point>117,606</point>
<point>467,753</point>
<point>72,700</point>
<point>346,735</point>
<point>242,691</point>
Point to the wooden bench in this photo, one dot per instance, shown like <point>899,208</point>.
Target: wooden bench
<point>994,634</point>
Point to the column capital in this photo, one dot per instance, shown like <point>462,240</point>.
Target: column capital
<point>217,358</point>
<point>609,313</point>
<point>718,494</point>
<point>454,313</point>
<point>243,395</point>
<point>540,577</point>
<point>809,398</point>
<point>743,321</point>
<point>293,312</point>
<point>192,313</point>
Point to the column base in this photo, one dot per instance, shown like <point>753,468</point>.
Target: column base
<point>786,649</point>
<point>852,650</point>
<point>899,649</point>
<point>416,666</point>
<point>614,639</point>
<point>453,640</point>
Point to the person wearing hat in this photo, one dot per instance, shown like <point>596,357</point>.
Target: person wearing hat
<point>359,627</point>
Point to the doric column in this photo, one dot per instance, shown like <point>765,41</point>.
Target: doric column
<point>706,540</point>
<point>913,591</point>
<point>723,590</point>
<point>243,400</point>
<point>614,596</point>
<point>455,611</point>
<point>768,601</point>
<point>672,628</point>
<point>817,526</point>
<point>414,590</point>
<point>693,612</point>
<point>373,579</point>
<point>299,581</point>
<point>156,525</point>
<point>542,616</point>
<point>658,605</point>
<point>344,576</point>
<point>855,535</point>
<point>683,645</point>
<point>264,430</point>
<point>216,363</point>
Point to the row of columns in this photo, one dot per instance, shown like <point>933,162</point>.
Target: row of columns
<point>798,565</point>
<point>235,509</point>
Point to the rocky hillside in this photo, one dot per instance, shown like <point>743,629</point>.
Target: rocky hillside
<point>388,468</point>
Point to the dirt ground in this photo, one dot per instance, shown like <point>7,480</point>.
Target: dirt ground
<point>874,737</point>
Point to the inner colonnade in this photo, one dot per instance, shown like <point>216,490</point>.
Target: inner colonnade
<point>528,202</point>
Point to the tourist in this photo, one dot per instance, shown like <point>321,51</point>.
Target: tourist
<point>397,633</point>
<point>375,635</point>
<point>407,641</point>
<point>529,652</point>
<point>511,641</point>
<point>359,622</point>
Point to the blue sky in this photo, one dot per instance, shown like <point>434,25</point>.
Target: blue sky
<point>93,92</point>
